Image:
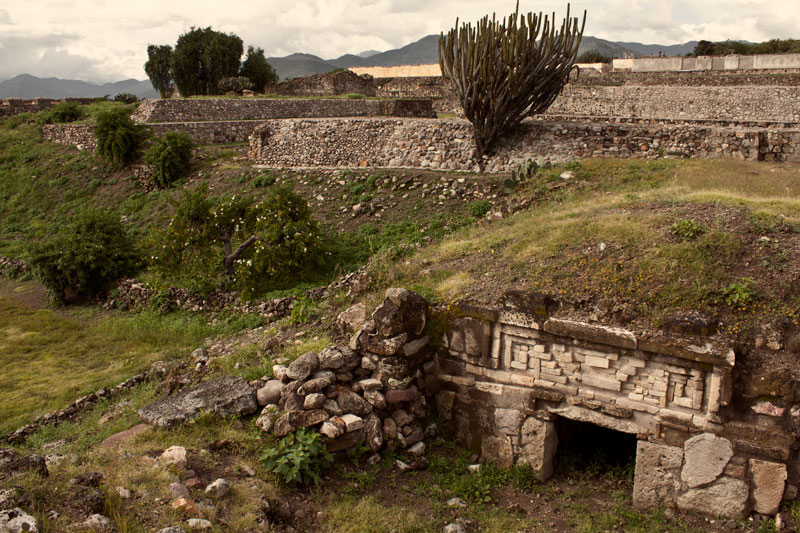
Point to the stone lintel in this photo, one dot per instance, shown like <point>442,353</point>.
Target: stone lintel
<point>594,417</point>
<point>707,353</point>
<point>618,337</point>
<point>540,392</point>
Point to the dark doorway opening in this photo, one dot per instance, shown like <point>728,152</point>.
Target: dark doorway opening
<point>589,449</point>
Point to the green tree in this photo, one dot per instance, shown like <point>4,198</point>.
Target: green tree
<point>84,258</point>
<point>170,158</point>
<point>159,67</point>
<point>256,69</point>
<point>119,139</point>
<point>502,72</point>
<point>202,57</point>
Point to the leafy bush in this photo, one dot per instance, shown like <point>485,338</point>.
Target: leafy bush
<point>740,293</point>
<point>265,179</point>
<point>593,57</point>
<point>85,258</point>
<point>65,112</point>
<point>479,208</point>
<point>170,157</point>
<point>257,246</point>
<point>686,229</point>
<point>119,139</point>
<point>126,98</point>
<point>237,84</point>
<point>299,457</point>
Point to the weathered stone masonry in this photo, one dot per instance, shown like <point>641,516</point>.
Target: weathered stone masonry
<point>509,375</point>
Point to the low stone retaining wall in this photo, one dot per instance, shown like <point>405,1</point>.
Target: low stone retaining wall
<point>510,375</point>
<point>448,145</point>
<point>190,110</point>
<point>15,106</point>
<point>80,136</point>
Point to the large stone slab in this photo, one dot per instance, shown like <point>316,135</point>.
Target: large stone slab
<point>498,450</point>
<point>538,443</point>
<point>769,480</point>
<point>706,458</point>
<point>727,497</point>
<point>657,478</point>
<point>226,396</point>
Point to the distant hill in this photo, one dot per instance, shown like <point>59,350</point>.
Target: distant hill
<point>27,86</point>
<point>606,48</point>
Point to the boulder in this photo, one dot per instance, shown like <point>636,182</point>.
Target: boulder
<point>538,442</point>
<point>727,497</point>
<point>352,422</point>
<point>17,521</point>
<point>333,428</point>
<point>769,481</point>
<point>199,524</point>
<point>124,436</point>
<point>298,419</point>
<point>375,398</point>
<point>385,346</point>
<point>508,421</point>
<point>12,463</point>
<point>706,457</point>
<point>8,499</point>
<point>226,396</point>
<point>270,393</point>
<point>303,366</point>
<point>350,402</point>
<point>395,396</point>
<point>352,318</point>
<point>218,489</point>
<point>314,401</point>
<point>174,455</point>
<point>267,417</point>
<point>657,477</point>
<point>98,522</point>
<point>332,407</point>
<point>401,311</point>
<point>373,432</point>
<point>331,358</point>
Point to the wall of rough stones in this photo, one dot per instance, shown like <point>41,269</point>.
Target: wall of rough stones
<point>196,110</point>
<point>334,83</point>
<point>508,376</point>
<point>15,106</point>
<point>80,136</point>
<point>780,104</point>
<point>447,144</point>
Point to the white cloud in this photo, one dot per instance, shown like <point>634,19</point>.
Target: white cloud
<point>103,40</point>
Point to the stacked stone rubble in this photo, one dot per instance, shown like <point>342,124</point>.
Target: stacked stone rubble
<point>372,391</point>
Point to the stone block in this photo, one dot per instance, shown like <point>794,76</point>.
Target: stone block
<point>657,477</point>
<point>706,455</point>
<point>593,360</point>
<point>538,443</point>
<point>508,421</point>
<point>726,497</point>
<point>600,334</point>
<point>498,450</point>
<point>607,383</point>
<point>769,480</point>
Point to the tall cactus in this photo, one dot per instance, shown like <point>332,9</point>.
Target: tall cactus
<point>502,72</point>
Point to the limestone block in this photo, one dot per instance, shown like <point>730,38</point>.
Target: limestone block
<point>498,450</point>
<point>706,458</point>
<point>538,442</point>
<point>769,480</point>
<point>508,421</point>
<point>727,497</point>
<point>444,403</point>
<point>657,478</point>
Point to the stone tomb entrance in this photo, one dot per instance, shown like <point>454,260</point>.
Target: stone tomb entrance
<point>582,445</point>
<point>509,377</point>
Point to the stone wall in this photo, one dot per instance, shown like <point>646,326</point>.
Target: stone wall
<point>197,110</point>
<point>509,375</point>
<point>731,62</point>
<point>400,71</point>
<point>15,106</point>
<point>448,145</point>
<point>80,136</point>
<point>334,83</point>
<point>755,103</point>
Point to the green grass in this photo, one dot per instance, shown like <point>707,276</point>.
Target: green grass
<point>50,356</point>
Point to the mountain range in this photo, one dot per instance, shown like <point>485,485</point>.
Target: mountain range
<point>421,52</point>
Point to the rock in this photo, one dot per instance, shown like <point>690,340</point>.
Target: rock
<point>314,401</point>
<point>348,440</point>
<point>294,420</point>
<point>389,428</point>
<point>185,506</point>
<point>293,402</point>
<point>199,524</point>
<point>270,393</point>
<point>454,527</point>
<point>456,502</point>
<point>12,463</point>
<point>412,348</point>
<point>369,362</point>
<point>178,490</point>
<point>396,368</point>
<point>331,358</point>
<point>17,521</point>
<point>474,469</point>
<point>200,355</point>
<point>334,427</point>
<point>267,417</point>
<point>431,431</point>
<point>8,499</point>
<point>98,522</point>
<point>352,422</point>
<point>727,497</point>
<point>174,455</point>
<point>402,418</point>
<point>373,432</point>
<point>498,450</point>
<point>124,436</point>
<point>316,384</point>
<point>171,530</point>
<point>414,436</point>
<point>371,384</point>
<point>657,477</point>
<point>218,489</point>
<point>123,493</point>
<point>88,479</point>
<point>401,466</point>
<point>538,442</point>
<point>402,310</point>
<point>279,371</point>
<point>395,396</point>
<point>350,402</point>
<point>226,396</point>
<point>417,449</point>
<point>769,480</point>
<point>376,399</point>
<point>706,457</point>
<point>352,319</point>
<point>303,366</point>
<point>383,346</point>
<point>332,407</point>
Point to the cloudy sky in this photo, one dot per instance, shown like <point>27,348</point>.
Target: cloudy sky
<point>101,40</point>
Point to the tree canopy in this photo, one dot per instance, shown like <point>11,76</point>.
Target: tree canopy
<point>723,48</point>
<point>202,57</point>
<point>256,69</point>
<point>159,67</point>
